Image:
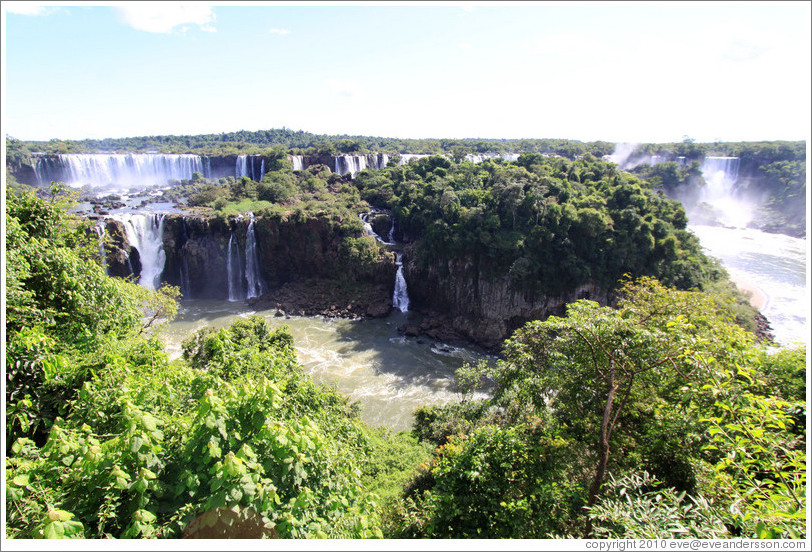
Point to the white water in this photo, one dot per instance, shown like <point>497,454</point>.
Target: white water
<point>145,232</point>
<point>252,275</point>
<point>248,166</point>
<point>117,171</point>
<point>776,264</point>
<point>400,297</point>
<point>405,158</point>
<point>480,157</point>
<point>350,164</point>
<point>721,174</point>
<point>367,360</point>
<point>185,279</point>
<point>298,162</point>
<point>234,271</point>
<point>370,232</point>
<point>100,232</point>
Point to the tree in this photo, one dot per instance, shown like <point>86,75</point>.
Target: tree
<point>597,362</point>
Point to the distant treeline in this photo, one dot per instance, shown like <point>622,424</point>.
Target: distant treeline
<point>301,142</point>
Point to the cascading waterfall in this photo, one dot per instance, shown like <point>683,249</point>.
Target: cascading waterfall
<point>120,171</point>
<point>145,232</point>
<point>298,162</point>
<point>100,232</point>
<point>370,232</point>
<point>721,174</point>
<point>252,275</point>
<point>400,297</point>
<point>234,271</point>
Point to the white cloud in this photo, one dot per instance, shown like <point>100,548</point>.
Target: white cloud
<point>464,45</point>
<point>163,17</point>
<point>346,87</point>
<point>279,31</point>
<point>27,8</point>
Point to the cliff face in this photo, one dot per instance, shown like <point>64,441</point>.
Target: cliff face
<point>461,303</point>
<point>197,247</point>
<point>288,251</point>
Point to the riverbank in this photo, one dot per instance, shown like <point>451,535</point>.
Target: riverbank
<point>758,298</point>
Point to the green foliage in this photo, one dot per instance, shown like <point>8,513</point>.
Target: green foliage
<point>752,439</point>
<point>494,483</point>
<point>666,382</point>
<point>149,445</point>
<point>636,506</point>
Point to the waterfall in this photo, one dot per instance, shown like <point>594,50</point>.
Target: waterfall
<point>406,157</point>
<point>400,297</point>
<point>183,266</point>
<point>350,164</point>
<point>391,236</point>
<point>145,233</point>
<point>247,166</point>
<point>100,231</point>
<point>298,162</point>
<point>234,271</point>
<point>370,232</point>
<point>721,174</point>
<point>252,275</point>
<point>721,170</point>
<point>121,171</point>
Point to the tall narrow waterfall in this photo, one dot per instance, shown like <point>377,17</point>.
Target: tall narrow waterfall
<point>145,232</point>
<point>252,275</point>
<point>100,231</point>
<point>183,266</point>
<point>400,298</point>
<point>298,162</point>
<point>391,236</point>
<point>119,171</point>
<point>234,271</point>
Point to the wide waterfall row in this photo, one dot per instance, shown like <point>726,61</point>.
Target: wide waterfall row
<point>117,171</point>
<point>252,166</point>
<point>353,164</point>
<point>480,157</point>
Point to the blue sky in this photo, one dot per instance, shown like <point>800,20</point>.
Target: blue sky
<point>632,72</point>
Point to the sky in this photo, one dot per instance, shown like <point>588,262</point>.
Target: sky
<point>614,71</point>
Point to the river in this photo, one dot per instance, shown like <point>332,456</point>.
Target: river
<point>776,264</point>
<point>389,375</point>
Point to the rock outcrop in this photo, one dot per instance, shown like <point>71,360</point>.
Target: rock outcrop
<point>460,303</point>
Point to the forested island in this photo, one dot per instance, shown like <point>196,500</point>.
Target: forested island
<point>637,393</point>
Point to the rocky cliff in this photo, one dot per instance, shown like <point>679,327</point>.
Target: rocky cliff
<point>459,303</point>
<point>295,258</point>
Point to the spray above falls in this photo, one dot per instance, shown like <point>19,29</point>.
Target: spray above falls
<point>721,175</point>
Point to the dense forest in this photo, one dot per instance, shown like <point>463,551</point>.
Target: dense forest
<point>660,415</point>
<point>772,174</point>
